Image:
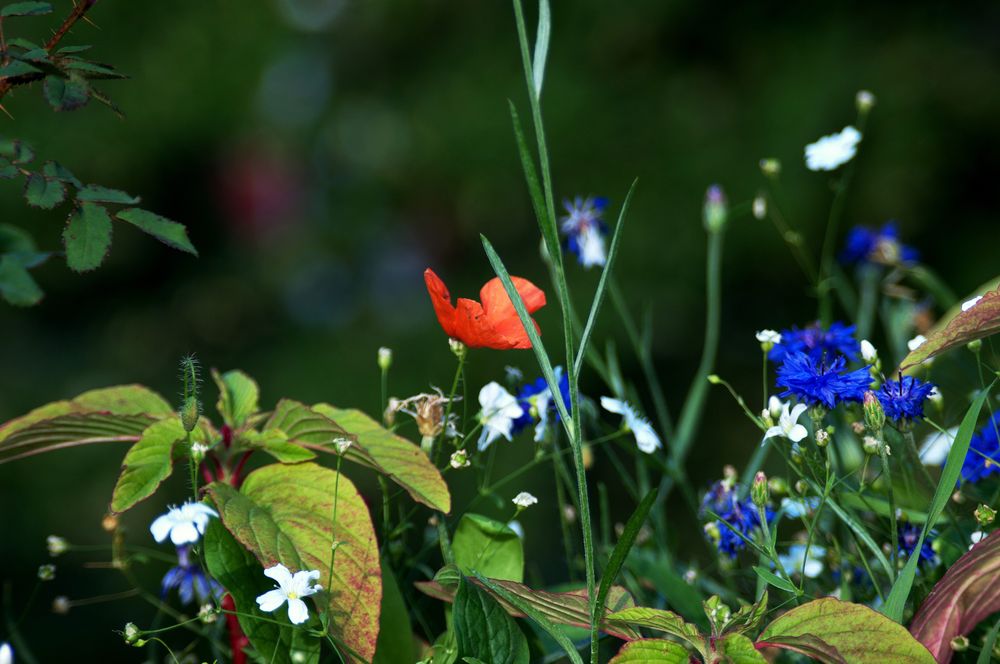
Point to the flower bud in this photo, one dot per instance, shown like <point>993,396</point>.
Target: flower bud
<point>822,438</point>
<point>759,207</point>
<point>190,412</point>
<point>458,349</point>
<point>729,474</point>
<point>778,486</point>
<point>770,167</point>
<point>588,457</point>
<point>384,358</point>
<point>131,633</point>
<point>715,211</point>
<point>342,444</point>
<point>960,643</point>
<point>61,605</point>
<point>864,101</point>
<point>56,545</point>
<point>759,490</point>
<point>801,487</point>
<point>975,345</point>
<point>46,572</point>
<point>874,414</point>
<point>868,352</point>
<point>198,452</point>
<point>207,614</point>
<point>870,445</point>
<point>109,523</point>
<point>460,459</point>
<point>985,515</point>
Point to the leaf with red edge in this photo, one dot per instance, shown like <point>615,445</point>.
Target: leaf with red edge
<point>967,593</point>
<point>958,328</point>
<point>805,644</point>
<point>651,651</point>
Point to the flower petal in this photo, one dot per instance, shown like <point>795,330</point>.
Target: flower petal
<point>298,612</point>
<point>797,433</point>
<point>161,527</point>
<point>279,573</point>
<point>441,300</point>
<point>271,600</point>
<point>184,533</point>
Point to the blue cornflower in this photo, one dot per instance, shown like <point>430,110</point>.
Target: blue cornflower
<point>190,580</point>
<point>819,382</point>
<point>741,515</point>
<point>909,535</point>
<point>983,457</point>
<point>903,400</point>
<point>817,341</point>
<point>877,246</point>
<point>535,399</point>
<point>585,229</point>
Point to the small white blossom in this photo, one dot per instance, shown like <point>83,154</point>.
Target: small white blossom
<point>759,207</point>
<point>459,459</point>
<point>833,151</point>
<point>56,545</point>
<point>768,337</point>
<point>524,499</point>
<point>868,352</point>
<point>976,538</point>
<point>796,508</point>
<point>184,524</point>
<point>6,653</point>
<point>788,424</point>
<point>935,447</point>
<point>864,100</point>
<point>795,561</point>
<point>935,396</point>
<point>645,435</point>
<point>384,358</point>
<point>774,407</point>
<point>499,410</point>
<point>591,243</point>
<point>916,342</point>
<point>968,304</point>
<point>342,445</point>
<point>291,588</point>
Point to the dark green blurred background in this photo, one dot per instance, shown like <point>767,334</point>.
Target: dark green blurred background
<point>324,152</point>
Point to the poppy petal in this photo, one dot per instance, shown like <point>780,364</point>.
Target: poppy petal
<point>441,300</point>
<point>502,316</point>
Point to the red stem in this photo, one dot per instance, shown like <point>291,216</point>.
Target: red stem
<point>237,639</point>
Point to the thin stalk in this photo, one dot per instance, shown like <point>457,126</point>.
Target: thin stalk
<point>333,524</point>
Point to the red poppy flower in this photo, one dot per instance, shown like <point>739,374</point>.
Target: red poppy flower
<point>492,324</point>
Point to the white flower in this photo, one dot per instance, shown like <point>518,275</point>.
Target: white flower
<point>935,396</point>
<point>916,342</point>
<point>184,524</point>
<point>788,424</point>
<point>976,538</point>
<point>645,435</point>
<point>833,151</point>
<point>868,352</point>
<point>864,100</point>
<point>56,545</point>
<point>968,304</point>
<point>6,653</point>
<point>524,499</point>
<point>291,588</point>
<point>774,406</point>
<point>768,337</point>
<point>517,528</point>
<point>759,207</point>
<point>499,410</point>
<point>795,561</point>
<point>460,459</point>
<point>935,447</point>
<point>591,243</point>
<point>796,508</point>
<point>342,444</point>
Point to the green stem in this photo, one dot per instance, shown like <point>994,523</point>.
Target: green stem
<point>333,524</point>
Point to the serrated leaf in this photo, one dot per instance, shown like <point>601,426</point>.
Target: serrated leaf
<point>242,576</point>
<point>69,50</point>
<point>239,396</point>
<point>738,649</point>
<point>17,286</point>
<point>651,651</point>
<point>42,192</point>
<point>95,193</point>
<point>958,328</point>
<point>8,171</point>
<point>55,170</point>
<point>485,631</point>
<point>17,68</point>
<point>488,547</point>
<point>660,620</point>
<point>968,593</point>
<point>16,151</point>
<point>36,55</point>
<point>87,237</point>
<point>283,514</point>
<point>565,608</point>
<point>168,232</point>
<point>26,9</point>
<point>860,635</point>
<point>22,43</point>
<point>275,443</point>
<point>66,94</point>
<point>92,69</point>
<point>148,463</point>
<point>393,456</point>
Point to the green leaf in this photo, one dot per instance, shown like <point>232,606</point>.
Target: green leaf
<point>395,636</point>
<point>986,654</point>
<point>622,548</point>
<point>16,150</point>
<point>484,630</point>
<point>69,50</point>
<point>87,237</point>
<point>283,514</point>
<point>806,644</point>
<point>42,192</point>
<point>95,193</point>
<point>651,651</point>
<point>775,580</point>
<point>859,634</point>
<point>125,400</point>
<point>681,596</point>
<point>489,547</point>
<point>275,443</point>
<point>895,603</point>
<point>66,94</point>
<point>738,649</point>
<point>748,617</point>
<point>661,621</point>
<point>17,286</point>
<point>26,9</point>
<point>17,68</point>
<point>967,594</point>
<point>542,44</point>
<point>55,170</point>
<point>166,231</point>
<point>957,328</point>
<point>242,576</point>
<point>502,592</point>
<point>239,397</point>
<point>8,171</point>
<point>92,69</point>
<point>148,463</point>
<point>391,455</point>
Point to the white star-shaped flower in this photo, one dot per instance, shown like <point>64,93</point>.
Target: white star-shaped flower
<point>184,524</point>
<point>968,304</point>
<point>524,499</point>
<point>916,342</point>
<point>833,151</point>
<point>768,337</point>
<point>499,410</point>
<point>460,459</point>
<point>645,435</point>
<point>788,424</point>
<point>291,588</point>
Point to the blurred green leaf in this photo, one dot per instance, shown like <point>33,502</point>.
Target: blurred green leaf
<point>738,649</point>
<point>87,237</point>
<point>484,630</point>
<point>53,169</point>
<point>66,94</point>
<point>395,635</point>
<point>489,547</point>
<point>775,580</point>
<point>92,69</point>
<point>17,286</point>
<point>95,193</point>
<point>239,396</point>
<point>16,150</point>
<point>26,9</point>
<point>275,443</point>
<point>43,192</point>
<point>148,463</point>
<point>8,171</point>
<point>166,231</point>
<point>17,68</point>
